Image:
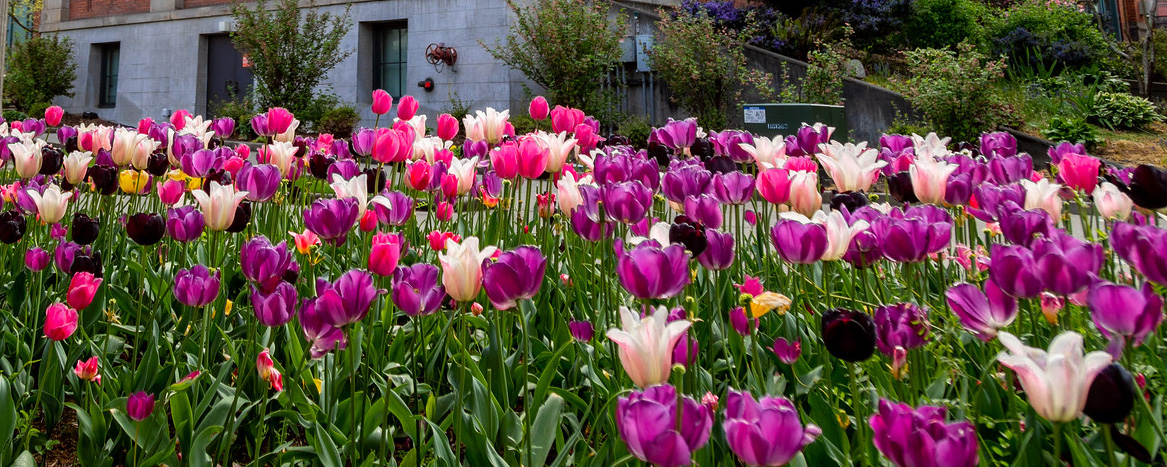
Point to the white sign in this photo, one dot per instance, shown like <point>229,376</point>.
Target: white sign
<point>755,115</point>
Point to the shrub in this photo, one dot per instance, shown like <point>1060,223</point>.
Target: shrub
<point>339,121</point>
<point>954,91</point>
<point>704,67</point>
<point>1047,35</point>
<point>241,108</point>
<point>40,69</point>
<point>877,24</point>
<point>942,24</point>
<point>1119,110</point>
<point>796,37</point>
<point>13,115</point>
<point>567,47</point>
<point>637,128</point>
<point>523,123</point>
<point>826,69</point>
<point>1073,129</point>
<point>290,51</point>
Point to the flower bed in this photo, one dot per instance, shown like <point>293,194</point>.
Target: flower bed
<point>214,307</point>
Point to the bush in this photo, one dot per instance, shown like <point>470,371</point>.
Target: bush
<point>878,24</point>
<point>339,121</point>
<point>1119,110</point>
<point>523,123</point>
<point>1038,34</point>
<point>826,69</point>
<point>567,47</point>
<point>1073,129</point>
<point>704,67</point>
<point>943,24</point>
<point>241,108</point>
<point>637,128</point>
<point>40,69</point>
<point>796,37</point>
<point>11,115</point>
<point>954,91</point>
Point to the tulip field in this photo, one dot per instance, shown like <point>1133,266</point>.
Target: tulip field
<point>447,292</point>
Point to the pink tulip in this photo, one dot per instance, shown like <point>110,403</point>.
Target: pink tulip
<point>1079,171</point>
<point>447,127</point>
<point>568,196</point>
<point>449,186</point>
<point>646,344</point>
<point>805,197</point>
<point>505,161</point>
<point>406,108</point>
<point>145,124</point>
<point>1043,195</point>
<point>389,146</point>
<point>445,211</point>
<point>1056,382</point>
<point>385,253</point>
<point>178,119</point>
<point>774,185</point>
<point>538,108</point>
<point>565,119</point>
<point>368,222</point>
<point>60,321</point>
<point>82,288</point>
<point>801,164</point>
<point>533,158</point>
<point>462,268</point>
<point>53,115</point>
<point>268,372</point>
<point>170,192</point>
<point>930,179</point>
<point>279,120</point>
<point>419,174</point>
<point>87,370</point>
<point>382,102</point>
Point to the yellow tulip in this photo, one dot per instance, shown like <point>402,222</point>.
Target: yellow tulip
<point>134,181</point>
<point>767,302</point>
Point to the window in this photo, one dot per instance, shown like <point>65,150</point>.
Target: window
<point>107,93</point>
<point>389,46</point>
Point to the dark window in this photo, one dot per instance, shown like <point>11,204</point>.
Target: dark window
<point>389,46</point>
<point>107,94</point>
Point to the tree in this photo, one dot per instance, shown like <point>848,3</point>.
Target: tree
<point>40,69</point>
<point>565,46</point>
<point>290,50</point>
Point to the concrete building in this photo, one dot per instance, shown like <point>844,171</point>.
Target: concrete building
<point>144,58</point>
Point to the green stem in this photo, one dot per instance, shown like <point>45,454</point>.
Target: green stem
<point>1057,443</point>
<point>1109,445</point>
<point>856,408</point>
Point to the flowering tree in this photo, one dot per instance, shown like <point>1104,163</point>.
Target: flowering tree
<point>566,46</point>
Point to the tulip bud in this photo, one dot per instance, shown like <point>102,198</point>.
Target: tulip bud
<point>407,108</point>
<point>53,115</point>
<point>382,102</point>
<point>36,259</point>
<point>538,108</point>
<point>60,321</point>
<point>741,322</point>
<point>139,406</point>
<point>476,309</point>
<point>848,335</point>
<point>1112,395</point>
<point>787,352</point>
<point>87,370</point>
<point>582,331</point>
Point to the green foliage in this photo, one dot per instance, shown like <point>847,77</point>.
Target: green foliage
<point>12,114</point>
<point>241,108</point>
<point>458,107</point>
<point>824,75</point>
<point>705,67</point>
<point>798,36</point>
<point>1072,129</point>
<point>946,23</point>
<point>637,128</point>
<point>1118,110</point>
<point>290,50</point>
<point>955,92</point>
<point>339,121</point>
<point>1040,33</point>
<point>523,123</point>
<point>567,47</point>
<point>39,70</point>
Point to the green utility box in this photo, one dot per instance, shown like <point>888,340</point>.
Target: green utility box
<point>771,120</point>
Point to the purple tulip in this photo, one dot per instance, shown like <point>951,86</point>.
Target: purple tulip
<point>139,406</point>
<point>648,424</point>
<point>902,325</point>
<point>259,181</point>
<point>321,336</point>
<point>223,127</point>
<point>649,271</point>
<point>626,202</point>
<point>799,242</point>
<point>1001,144</point>
<point>921,438</point>
<point>1057,152</point>
<point>331,219</point>
<point>741,322</point>
<point>704,209</point>
<point>787,352</point>
<point>35,126</point>
<point>718,254</point>
<point>685,352</point>
<point>675,134</point>
<point>991,198</point>
<point>395,209</point>
<point>515,276</point>
<point>363,140</point>
<point>1007,170</point>
<point>1021,227</point>
<point>64,133</point>
<point>36,259</point>
<point>1144,247</point>
<point>347,300</point>
<point>265,264</point>
<point>416,289</point>
<point>911,239</point>
<point>684,180</point>
<point>586,220</point>
<point>982,313</point>
<point>196,287</point>
<point>806,142</point>
<point>184,224</point>
<point>1119,310</point>
<point>620,167</point>
<point>276,308</point>
<point>765,432</point>
<point>733,187</point>
<point>320,162</point>
<point>201,162</point>
<point>1065,264</point>
<point>1014,271</point>
<point>581,331</point>
<point>727,143</point>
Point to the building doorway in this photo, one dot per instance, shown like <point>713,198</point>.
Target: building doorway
<point>228,74</point>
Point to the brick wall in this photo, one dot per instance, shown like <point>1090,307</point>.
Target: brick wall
<point>200,3</point>
<point>82,9</point>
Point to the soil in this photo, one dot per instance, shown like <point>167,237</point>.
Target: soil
<point>64,453</point>
<point>1134,148</point>
<point>75,119</point>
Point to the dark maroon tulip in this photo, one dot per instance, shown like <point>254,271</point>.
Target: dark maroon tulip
<point>1013,270</point>
<point>374,179</point>
<point>852,200</point>
<point>12,226</point>
<point>51,160</point>
<point>319,164</point>
<point>242,217</point>
<point>515,276</point>
<point>157,163</point>
<point>1148,187</point>
<point>899,185</point>
<point>849,335</point>
<point>1111,396</point>
<point>85,229</point>
<point>145,228</point>
<point>690,233</point>
<point>720,165</point>
<point>104,178</point>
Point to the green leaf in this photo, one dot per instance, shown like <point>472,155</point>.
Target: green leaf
<point>25,459</point>
<point>544,430</point>
<point>7,412</point>
<point>325,448</point>
<point>197,454</point>
<point>441,448</point>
